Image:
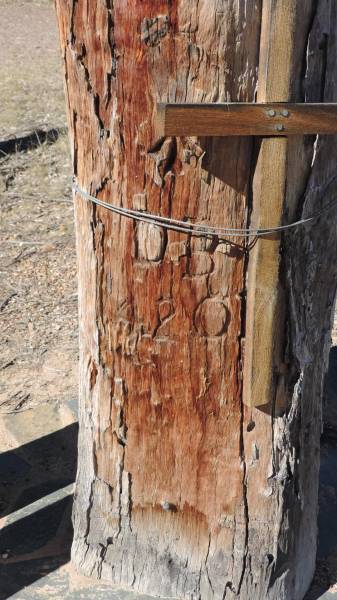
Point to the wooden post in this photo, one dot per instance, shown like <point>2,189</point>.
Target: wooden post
<point>182,491</point>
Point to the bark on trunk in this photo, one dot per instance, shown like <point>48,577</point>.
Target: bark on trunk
<point>181,490</point>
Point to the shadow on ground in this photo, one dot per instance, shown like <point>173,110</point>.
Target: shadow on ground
<point>37,469</point>
<point>36,499</point>
<point>35,545</point>
<point>31,141</point>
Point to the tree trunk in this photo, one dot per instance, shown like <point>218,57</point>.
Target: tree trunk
<point>183,491</point>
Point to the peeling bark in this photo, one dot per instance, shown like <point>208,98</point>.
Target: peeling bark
<point>182,491</point>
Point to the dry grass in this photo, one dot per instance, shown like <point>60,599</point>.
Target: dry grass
<point>38,273</point>
<point>38,290</point>
<point>31,92</point>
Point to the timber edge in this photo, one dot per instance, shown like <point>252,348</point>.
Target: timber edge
<point>245,119</point>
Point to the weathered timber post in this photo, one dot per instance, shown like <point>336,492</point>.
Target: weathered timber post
<point>182,489</point>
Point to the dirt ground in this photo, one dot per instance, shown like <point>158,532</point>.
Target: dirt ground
<point>31,85</point>
<point>38,329</point>
<point>38,309</point>
<point>38,334</point>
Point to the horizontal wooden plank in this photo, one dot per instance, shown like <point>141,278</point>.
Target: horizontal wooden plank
<point>272,119</point>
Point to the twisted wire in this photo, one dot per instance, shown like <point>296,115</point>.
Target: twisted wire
<point>199,229</point>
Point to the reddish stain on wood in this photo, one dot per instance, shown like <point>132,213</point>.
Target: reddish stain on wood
<point>162,420</point>
<point>161,312</point>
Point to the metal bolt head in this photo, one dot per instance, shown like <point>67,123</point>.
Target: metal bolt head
<point>279,127</point>
<point>168,506</point>
<point>271,113</point>
<point>285,112</point>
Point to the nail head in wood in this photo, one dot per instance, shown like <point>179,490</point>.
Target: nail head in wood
<point>168,506</point>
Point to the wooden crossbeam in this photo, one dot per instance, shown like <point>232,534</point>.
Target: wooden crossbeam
<point>245,119</point>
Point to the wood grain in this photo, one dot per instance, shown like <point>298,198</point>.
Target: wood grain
<point>260,119</point>
<point>182,490</point>
<point>160,312</point>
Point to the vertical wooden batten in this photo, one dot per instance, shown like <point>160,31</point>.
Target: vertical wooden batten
<point>264,318</point>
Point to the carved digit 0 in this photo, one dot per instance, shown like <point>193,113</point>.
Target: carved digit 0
<point>211,317</point>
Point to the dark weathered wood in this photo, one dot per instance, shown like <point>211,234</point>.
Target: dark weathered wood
<point>182,490</point>
<point>261,119</point>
